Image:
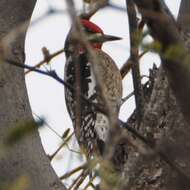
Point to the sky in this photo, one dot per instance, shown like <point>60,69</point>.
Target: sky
<point>46,95</point>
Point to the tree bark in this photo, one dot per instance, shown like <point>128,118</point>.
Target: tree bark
<point>183,16</point>
<point>26,157</point>
<point>164,126</point>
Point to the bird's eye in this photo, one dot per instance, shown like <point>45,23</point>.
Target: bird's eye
<point>88,30</point>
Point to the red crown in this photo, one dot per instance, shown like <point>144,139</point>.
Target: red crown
<point>90,25</point>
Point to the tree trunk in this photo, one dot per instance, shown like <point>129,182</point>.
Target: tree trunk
<point>164,126</point>
<point>26,157</point>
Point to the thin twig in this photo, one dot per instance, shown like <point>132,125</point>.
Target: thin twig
<point>90,182</point>
<point>72,150</point>
<point>20,28</point>
<point>93,186</point>
<point>50,57</point>
<point>55,132</point>
<point>143,53</point>
<point>54,75</point>
<point>61,146</point>
<point>127,97</point>
<point>128,64</point>
<point>134,57</point>
<point>68,174</point>
<point>48,126</point>
<point>126,68</point>
<point>81,180</point>
<point>75,181</point>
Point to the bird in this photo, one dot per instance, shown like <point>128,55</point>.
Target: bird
<point>94,127</point>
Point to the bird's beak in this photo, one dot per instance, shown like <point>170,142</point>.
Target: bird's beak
<point>101,38</point>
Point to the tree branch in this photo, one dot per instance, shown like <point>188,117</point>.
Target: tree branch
<point>134,58</point>
<point>174,55</point>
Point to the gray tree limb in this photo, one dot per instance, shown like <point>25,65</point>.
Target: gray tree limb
<point>163,123</point>
<point>174,55</point>
<point>26,157</point>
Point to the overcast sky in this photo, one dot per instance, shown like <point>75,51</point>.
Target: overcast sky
<point>46,95</point>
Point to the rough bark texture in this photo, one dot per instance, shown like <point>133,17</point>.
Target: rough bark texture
<point>165,127</point>
<point>26,157</point>
<point>183,17</point>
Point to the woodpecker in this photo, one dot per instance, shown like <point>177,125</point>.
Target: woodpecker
<point>94,127</point>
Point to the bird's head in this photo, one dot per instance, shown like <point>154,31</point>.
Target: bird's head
<point>94,33</point>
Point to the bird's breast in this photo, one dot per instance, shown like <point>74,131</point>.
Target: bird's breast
<point>94,125</point>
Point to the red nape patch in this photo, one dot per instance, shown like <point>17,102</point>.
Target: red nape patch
<point>90,25</point>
